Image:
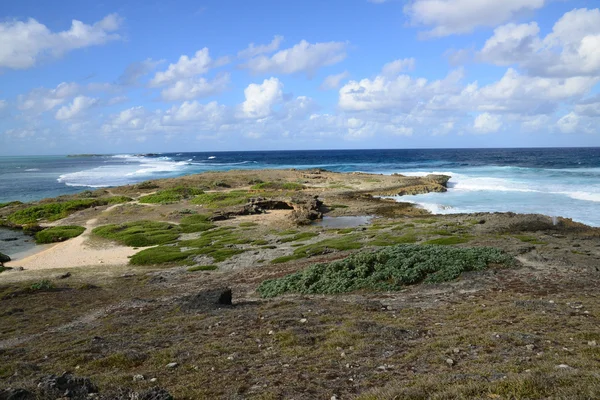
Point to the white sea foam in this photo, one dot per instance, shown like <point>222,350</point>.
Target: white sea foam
<point>32,169</point>
<point>585,196</point>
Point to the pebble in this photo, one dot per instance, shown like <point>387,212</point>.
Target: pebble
<point>303,320</point>
<point>530,347</point>
<point>271,332</point>
<point>172,365</point>
<point>153,380</point>
<point>456,350</point>
<point>592,343</point>
<point>138,378</point>
<point>450,361</point>
<point>563,366</point>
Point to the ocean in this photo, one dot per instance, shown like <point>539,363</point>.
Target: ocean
<point>553,181</point>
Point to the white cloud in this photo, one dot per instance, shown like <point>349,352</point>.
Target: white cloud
<point>400,94</point>
<point>186,67</point>
<point>447,17</point>
<point>487,123</point>
<point>193,88</point>
<point>260,99</point>
<point>77,106</point>
<point>253,50</point>
<point>396,67</point>
<point>334,81</point>
<point>42,99</point>
<point>571,49</point>
<point>24,43</point>
<point>303,57</point>
<point>136,70</point>
<point>568,123</point>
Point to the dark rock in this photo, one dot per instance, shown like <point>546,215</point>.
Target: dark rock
<point>208,299</point>
<point>13,239</point>
<point>67,385</point>
<point>64,276</point>
<point>154,393</point>
<point>16,394</point>
<point>4,258</point>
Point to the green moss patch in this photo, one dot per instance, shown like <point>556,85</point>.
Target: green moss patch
<point>161,255</point>
<point>58,234</point>
<point>387,269</point>
<point>140,233</point>
<point>299,237</point>
<point>196,223</point>
<point>387,239</point>
<point>59,210</point>
<point>222,199</point>
<point>10,203</point>
<point>529,239</point>
<point>169,196</point>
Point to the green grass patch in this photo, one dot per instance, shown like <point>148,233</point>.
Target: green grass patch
<point>277,186</point>
<point>260,242</point>
<point>161,255</point>
<point>169,196</point>
<point>299,237</point>
<point>58,234</point>
<point>202,268</point>
<point>426,221</point>
<point>345,231</point>
<point>140,233</point>
<point>287,232</point>
<point>441,232</point>
<point>196,223</point>
<point>387,239</point>
<point>10,203</point>
<point>446,241</point>
<point>529,239</point>
<point>388,269</point>
<point>44,284</point>
<point>59,210</point>
<point>222,199</point>
<point>247,224</point>
<point>334,206</point>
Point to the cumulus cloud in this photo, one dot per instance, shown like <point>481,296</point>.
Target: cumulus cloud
<point>260,99</point>
<point>447,17</point>
<point>334,81</point>
<point>76,108</point>
<point>254,50</point>
<point>193,88</point>
<point>487,123</point>
<point>211,113</point>
<point>303,57</point>
<point>397,66</point>
<point>24,43</point>
<point>568,123</point>
<point>571,49</point>
<point>187,67</point>
<point>42,99</point>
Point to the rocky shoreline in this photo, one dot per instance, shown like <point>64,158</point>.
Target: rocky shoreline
<point>138,294</point>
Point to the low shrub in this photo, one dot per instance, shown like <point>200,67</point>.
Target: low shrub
<point>196,223</point>
<point>346,242</point>
<point>278,186</point>
<point>160,255</point>
<point>450,240</point>
<point>44,284</point>
<point>58,210</point>
<point>58,234</point>
<point>10,203</point>
<point>202,268</point>
<point>222,199</point>
<point>140,233</point>
<point>388,269</point>
<point>299,237</point>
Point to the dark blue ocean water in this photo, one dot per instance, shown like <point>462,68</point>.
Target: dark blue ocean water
<point>563,182</point>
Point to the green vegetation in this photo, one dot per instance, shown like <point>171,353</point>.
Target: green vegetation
<point>220,244</point>
<point>247,224</point>
<point>299,237</point>
<point>140,233</point>
<point>386,239</point>
<point>169,196</point>
<point>426,221</point>
<point>446,241</point>
<point>287,232</point>
<point>196,223</point>
<point>334,206</point>
<point>59,210</point>
<point>347,242</point>
<point>58,234</point>
<point>278,186</point>
<point>202,268</point>
<point>386,269</point>
<point>222,199</point>
<point>10,203</point>
<point>147,185</point>
<point>529,239</point>
<point>44,284</point>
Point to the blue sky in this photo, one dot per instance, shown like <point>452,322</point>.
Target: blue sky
<point>133,76</point>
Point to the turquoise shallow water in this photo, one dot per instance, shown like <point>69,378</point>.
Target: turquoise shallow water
<point>560,182</point>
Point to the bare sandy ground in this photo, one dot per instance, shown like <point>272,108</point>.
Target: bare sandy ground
<point>76,252</point>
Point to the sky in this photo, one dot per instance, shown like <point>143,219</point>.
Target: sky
<point>142,76</point>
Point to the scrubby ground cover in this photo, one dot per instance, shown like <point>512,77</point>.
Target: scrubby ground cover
<point>58,234</point>
<point>58,210</point>
<point>140,233</point>
<point>169,196</point>
<point>389,269</point>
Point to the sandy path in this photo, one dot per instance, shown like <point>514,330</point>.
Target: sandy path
<point>77,252</point>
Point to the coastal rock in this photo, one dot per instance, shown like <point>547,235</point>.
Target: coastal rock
<point>4,258</point>
<point>208,299</point>
<point>67,385</point>
<point>16,394</point>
